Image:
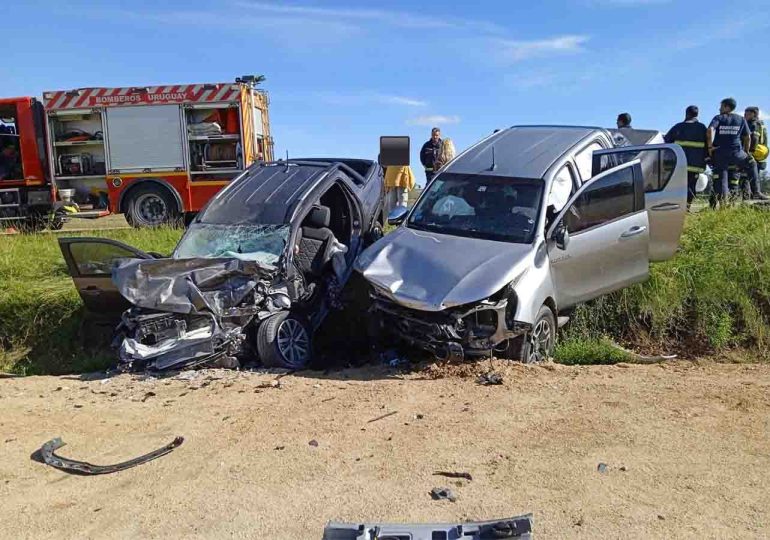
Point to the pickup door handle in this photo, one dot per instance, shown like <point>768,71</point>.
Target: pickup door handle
<point>633,231</point>
<point>663,207</point>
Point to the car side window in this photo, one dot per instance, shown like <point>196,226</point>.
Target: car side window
<point>97,258</point>
<point>607,199</point>
<point>562,188</point>
<point>584,160</point>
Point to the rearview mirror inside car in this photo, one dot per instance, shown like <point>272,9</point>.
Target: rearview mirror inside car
<point>394,151</point>
<point>397,215</point>
<point>561,236</point>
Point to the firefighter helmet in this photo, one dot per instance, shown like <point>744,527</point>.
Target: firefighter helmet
<point>760,152</point>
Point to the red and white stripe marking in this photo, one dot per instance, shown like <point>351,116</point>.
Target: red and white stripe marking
<point>181,93</point>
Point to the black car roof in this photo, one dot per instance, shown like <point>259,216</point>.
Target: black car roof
<point>520,151</point>
<point>266,193</point>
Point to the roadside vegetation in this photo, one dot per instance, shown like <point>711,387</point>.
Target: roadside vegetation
<point>713,297</point>
<point>42,321</point>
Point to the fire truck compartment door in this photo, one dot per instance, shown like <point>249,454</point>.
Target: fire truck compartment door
<point>145,137</point>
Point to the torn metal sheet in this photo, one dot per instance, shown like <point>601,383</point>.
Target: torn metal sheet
<point>198,285</point>
<point>47,451</point>
<point>519,527</point>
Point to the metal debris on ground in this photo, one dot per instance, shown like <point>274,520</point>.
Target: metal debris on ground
<point>519,527</point>
<point>451,474</point>
<point>48,454</point>
<point>490,378</point>
<point>443,494</point>
<point>382,416</point>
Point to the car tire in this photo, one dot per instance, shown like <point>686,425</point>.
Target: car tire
<point>537,345</point>
<point>283,341</point>
<point>151,206</point>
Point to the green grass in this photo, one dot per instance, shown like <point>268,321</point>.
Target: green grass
<point>43,326</point>
<point>714,295</point>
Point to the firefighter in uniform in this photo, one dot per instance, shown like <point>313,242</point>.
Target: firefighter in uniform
<point>429,153</point>
<point>728,140</point>
<point>691,136</point>
<point>758,133</point>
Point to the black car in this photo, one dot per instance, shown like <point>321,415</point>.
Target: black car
<point>255,273</point>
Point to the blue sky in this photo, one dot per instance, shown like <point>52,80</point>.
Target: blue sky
<point>341,73</point>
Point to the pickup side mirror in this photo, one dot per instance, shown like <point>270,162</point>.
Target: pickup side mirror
<point>397,215</point>
<point>561,236</point>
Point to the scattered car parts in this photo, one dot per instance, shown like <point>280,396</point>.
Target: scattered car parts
<point>48,453</point>
<point>519,527</point>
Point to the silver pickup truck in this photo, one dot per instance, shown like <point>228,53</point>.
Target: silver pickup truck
<point>518,229</point>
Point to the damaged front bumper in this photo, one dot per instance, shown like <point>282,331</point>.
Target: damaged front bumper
<point>519,527</point>
<point>452,334</point>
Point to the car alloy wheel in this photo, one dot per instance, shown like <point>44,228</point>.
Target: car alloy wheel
<point>293,343</point>
<point>541,341</point>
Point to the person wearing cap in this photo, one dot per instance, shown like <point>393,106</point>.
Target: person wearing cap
<point>429,152</point>
<point>691,136</point>
<point>728,140</point>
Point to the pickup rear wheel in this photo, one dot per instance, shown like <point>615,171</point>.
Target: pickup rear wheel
<point>283,340</point>
<point>538,344</point>
<point>151,206</point>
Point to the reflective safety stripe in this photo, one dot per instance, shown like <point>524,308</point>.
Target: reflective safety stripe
<point>690,144</point>
<point>430,169</point>
<point>690,168</point>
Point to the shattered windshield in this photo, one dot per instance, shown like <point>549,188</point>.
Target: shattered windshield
<point>261,243</point>
<point>480,206</point>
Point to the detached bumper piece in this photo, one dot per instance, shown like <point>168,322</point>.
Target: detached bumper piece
<point>47,451</point>
<point>517,527</point>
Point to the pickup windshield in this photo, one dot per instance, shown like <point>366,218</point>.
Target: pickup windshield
<point>261,243</point>
<point>480,206</point>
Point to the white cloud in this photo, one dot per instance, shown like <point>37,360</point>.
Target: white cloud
<point>380,16</point>
<point>516,51</point>
<point>433,120</point>
<point>402,100</point>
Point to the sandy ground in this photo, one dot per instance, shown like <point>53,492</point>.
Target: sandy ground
<point>685,444</point>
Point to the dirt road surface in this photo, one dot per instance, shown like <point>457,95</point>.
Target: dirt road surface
<point>686,445</point>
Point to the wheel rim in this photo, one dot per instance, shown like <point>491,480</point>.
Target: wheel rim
<point>540,342</point>
<point>151,209</point>
<point>293,343</point>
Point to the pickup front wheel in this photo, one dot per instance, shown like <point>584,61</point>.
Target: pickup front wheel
<point>538,344</point>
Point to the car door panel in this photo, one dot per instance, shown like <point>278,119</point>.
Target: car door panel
<point>89,263</point>
<point>664,167</point>
<point>608,244</point>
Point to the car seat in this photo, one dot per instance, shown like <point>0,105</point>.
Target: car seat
<point>315,242</point>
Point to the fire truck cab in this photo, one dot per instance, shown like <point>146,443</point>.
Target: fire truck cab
<point>156,154</point>
<point>26,195</point>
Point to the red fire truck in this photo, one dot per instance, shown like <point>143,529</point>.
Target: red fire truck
<point>155,153</point>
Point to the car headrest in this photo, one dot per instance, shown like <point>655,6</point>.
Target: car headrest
<point>318,218</point>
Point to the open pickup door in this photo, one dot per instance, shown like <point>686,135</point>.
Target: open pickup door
<point>90,262</point>
<point>664,168</point>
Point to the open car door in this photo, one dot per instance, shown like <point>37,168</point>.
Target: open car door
<point>664,167</point>
<point>605,247</point>
<point>89,262</point>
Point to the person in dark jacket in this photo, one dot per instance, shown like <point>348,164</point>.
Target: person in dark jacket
<point>691,136</point>
<point>429,153</point>
<point>728,140</point>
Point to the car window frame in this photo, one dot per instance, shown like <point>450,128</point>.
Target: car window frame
<point>598,141</point>
<point>639,149</point>
<point>558,222</point>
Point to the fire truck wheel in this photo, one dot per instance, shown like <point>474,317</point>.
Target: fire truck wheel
<point>151,206</point>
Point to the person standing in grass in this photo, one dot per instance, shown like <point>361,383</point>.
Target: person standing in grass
<point>445,154</point>
<point>691,136</point>
<point>399,181</point>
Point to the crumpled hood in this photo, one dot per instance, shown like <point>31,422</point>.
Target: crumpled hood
<point>432,272</point>
<point>187,285</point>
